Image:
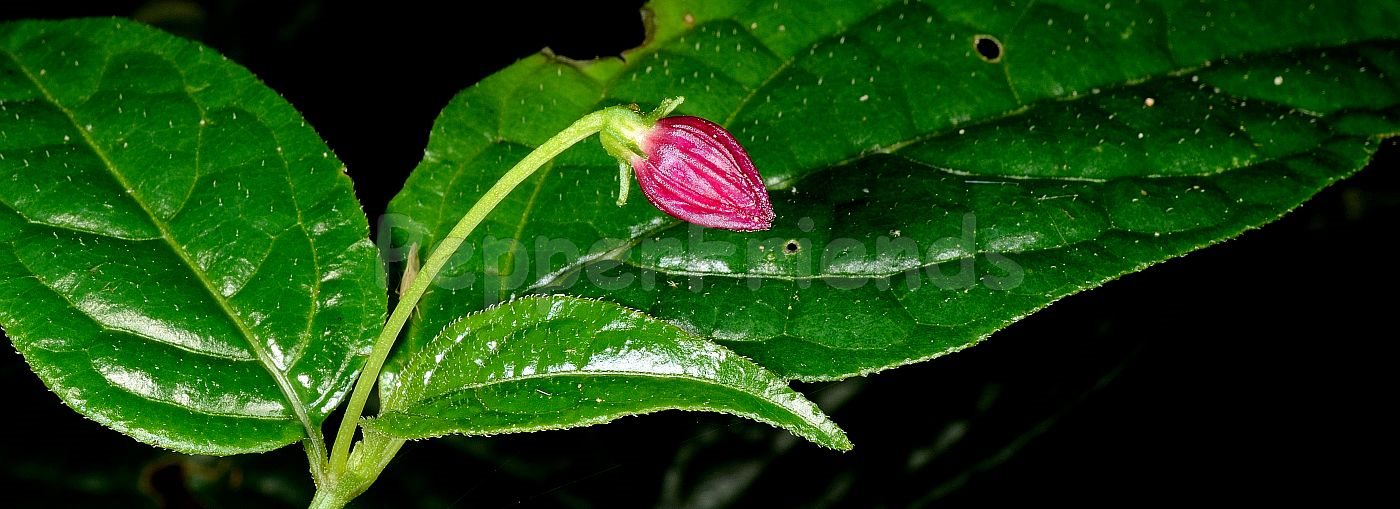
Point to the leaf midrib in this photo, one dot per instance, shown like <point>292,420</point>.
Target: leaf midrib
<point>260,351</point>
<point>473,386</point>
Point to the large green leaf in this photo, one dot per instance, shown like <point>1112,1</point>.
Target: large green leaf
<point>559,362</point>
<point>927,195</point>
<point>181,257</point>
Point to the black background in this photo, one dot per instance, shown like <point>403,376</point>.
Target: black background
<point>1253,371</point>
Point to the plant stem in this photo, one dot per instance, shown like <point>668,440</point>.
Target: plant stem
<point>579,130</point>
<point>370,457</point>
<point>326,499</point>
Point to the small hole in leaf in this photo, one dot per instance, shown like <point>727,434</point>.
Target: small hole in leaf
<point>988,47</point>
<point>792,247</point>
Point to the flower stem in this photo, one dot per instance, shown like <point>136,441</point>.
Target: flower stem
<point>578,131</point>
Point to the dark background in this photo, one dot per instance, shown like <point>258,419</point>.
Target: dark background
<point>1254,371</point>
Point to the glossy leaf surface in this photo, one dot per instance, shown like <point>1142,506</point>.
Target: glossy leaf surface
<point>557,362</point>
<point>927,194</point>
<point>181,257</point>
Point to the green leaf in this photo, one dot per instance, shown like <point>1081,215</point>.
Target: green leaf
<point>926,196</point>
<point>559,362</point>
<point>181,257</point>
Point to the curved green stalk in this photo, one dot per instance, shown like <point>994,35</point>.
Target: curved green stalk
<point>349,475</point>
<point>579,130</point>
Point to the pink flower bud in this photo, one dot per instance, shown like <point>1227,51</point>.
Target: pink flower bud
<point>696,171</point>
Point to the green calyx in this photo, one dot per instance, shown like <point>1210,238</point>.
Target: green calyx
<point>624,129</point>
